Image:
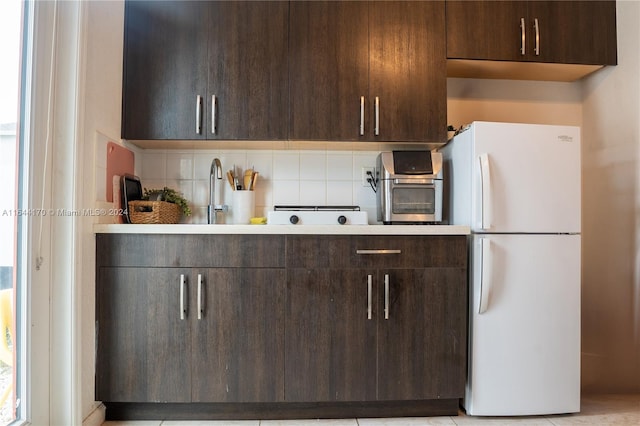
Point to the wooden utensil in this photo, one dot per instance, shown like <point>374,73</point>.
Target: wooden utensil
<point>254,178</point>
<point>231,180</point>
<point>247,179</point>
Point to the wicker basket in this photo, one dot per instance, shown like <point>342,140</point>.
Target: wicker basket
<point>141,211</point>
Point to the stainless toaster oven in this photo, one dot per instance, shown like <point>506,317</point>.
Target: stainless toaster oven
<point>409,187</point>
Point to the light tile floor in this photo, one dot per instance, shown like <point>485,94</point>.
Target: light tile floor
<point>601,410</point>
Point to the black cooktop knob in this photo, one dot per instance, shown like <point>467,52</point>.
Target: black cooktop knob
<point>342,220</point>
<point>294,219</point>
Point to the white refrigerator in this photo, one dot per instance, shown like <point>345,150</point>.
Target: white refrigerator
<point>518,188</point>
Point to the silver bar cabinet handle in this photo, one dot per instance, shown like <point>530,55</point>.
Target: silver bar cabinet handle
<point>214,128</point>
<point>536,26</point>
<point>200,306</point>
<point>377,128</point>
<point>198,115</point>
<point>523,37</point>
<point>386,296</point>
<point>369,297</point>
<point>378,251</point>
<point>183,310</point>
<point>361,115</point>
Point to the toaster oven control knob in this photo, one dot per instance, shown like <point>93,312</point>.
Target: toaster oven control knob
<point>342,219</point>
<point>294,219</point>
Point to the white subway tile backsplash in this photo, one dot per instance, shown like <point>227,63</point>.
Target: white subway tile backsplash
<point>286,192</point>
<point>372,213</point>
<point>264,195</point>
<point>286,177</point>
<point>340,192</point>
<point>363,159</point>
<point>202,163</point>
<point>339,166</point>
<point>286,166</point>
<point>185,187</point>
<point>262,211</point>
<point>137,167</point>
<point>198,215</point>
<point>237,159</point>
<point>313,165</point>
<point>179,166</point>
<point>154,166</point>
<point>313,192</point>
<point>363,195</point>
<point>176,185</point>
<point>262,162</point>
<point>226,194</point>
<point>200,195</point>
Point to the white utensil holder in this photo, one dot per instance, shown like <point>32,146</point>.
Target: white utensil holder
<point>244,203</point>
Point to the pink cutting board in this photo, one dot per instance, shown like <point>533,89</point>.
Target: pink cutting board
<point>120,161</point>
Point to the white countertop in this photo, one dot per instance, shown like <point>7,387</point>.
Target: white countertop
<point>284,229</point>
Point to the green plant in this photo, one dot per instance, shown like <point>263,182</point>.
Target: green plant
<point>170,196</point>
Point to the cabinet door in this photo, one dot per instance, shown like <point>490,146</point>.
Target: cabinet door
<point>238,340</point>
<point>574,32</point>
<point>248,70</point>
<point>422,336</point>
<point>485,30</point>
<point>330,340</point>
<point>165,69</point>
<point>407,71</point>
<point>144,343</point>
<point>328,68</point>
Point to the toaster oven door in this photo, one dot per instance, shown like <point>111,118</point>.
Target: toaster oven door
<point>411,202</point>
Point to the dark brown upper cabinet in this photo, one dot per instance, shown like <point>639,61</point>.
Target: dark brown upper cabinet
<point>329,66</point>
<point>564,32</point>
<point>248,70</point>
<point>205,70</point>
<point>367,71</point>
<point>165,69</point>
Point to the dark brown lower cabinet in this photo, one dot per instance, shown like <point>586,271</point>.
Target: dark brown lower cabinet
<point>365,335</point>
<point>422,337</point>
<point>295,326</point>
<point>331,343</point>
<point>143,344</point>
<point>183,335</point>
<point>238,339</point>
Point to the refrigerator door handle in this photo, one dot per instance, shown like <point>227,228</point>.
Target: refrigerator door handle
<point>486,274</point>
<point>485,196</point>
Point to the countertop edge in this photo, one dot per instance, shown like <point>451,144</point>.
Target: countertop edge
<point>283,229</point>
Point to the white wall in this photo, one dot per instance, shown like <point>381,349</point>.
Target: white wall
<point>534,102</point>
<point>611,217</point>
<point>103,26</point>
